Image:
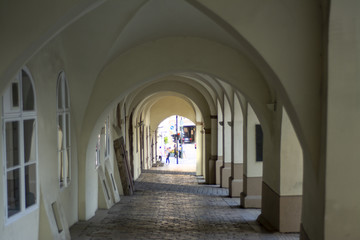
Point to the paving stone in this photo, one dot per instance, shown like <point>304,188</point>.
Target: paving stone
<point>173,205</point>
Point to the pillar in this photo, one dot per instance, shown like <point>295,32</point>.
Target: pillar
<point>225,171</point>
<point>236,178</point>
<point>199,148</point>
<point>220,159</point>
<point>207,153</point>
<point>252,178</point>
<point>341,186</point>
<point>214,148</point>
<point>283,178</point>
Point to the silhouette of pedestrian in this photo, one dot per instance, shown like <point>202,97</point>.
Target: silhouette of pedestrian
<point>168,158</point>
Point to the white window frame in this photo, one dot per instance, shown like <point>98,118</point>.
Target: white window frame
<point>107,139</point>
<point>17,114</point>
<point>65,176</point>
<point>97,152</point>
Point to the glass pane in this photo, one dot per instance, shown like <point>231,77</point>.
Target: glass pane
<point>13,192</point>
<point>30,185</point>
<point>259,143</point>
<point>60,94</point>
<point>67,130</point>
<point>29,140</point>
<point>66,95</point>
<point>96,156</point>
<point>67,159</point>
<point>108,145</point>
<point>12,144</point>
<point>61,167</point>
<point>27,93</point>
<point>60,133</point>
<point>15,95</point>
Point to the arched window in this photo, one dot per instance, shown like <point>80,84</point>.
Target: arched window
<point>106,144</point>
<point>63,120</point>
<point>20,146</point>
<point>97,153</point>
<point>107,138</point>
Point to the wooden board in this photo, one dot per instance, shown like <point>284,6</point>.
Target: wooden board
<point>122,162</point>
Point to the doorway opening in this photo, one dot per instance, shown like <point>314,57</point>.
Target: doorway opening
<point>176,148</point>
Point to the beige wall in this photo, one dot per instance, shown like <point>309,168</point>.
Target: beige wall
<point>227,143</point>
<point>342,210</point>
<point>291,160</point>
<point>251,167</point>
<point>168,106</point>
<point>17,49</point>
<point>220,130</point>
<point>238,130</point>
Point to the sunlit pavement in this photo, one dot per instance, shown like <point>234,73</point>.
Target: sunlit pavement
<point>185,164</point>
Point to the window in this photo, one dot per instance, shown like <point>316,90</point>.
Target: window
<point>20,147</point>
<point>259,143</point>
<point>63,120</point>
<point>97,153</point>
<point>107,138</point>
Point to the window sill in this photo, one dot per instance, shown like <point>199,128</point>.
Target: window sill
<point>20,215</point>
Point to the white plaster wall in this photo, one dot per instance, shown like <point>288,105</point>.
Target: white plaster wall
<point>227,131</point>
<point>301,22</point>
<point>220,131</point>
<point>199,148</point>
<point>291,159</point>
<point>136,137</point>
<point>17,49</point>
<point>199,141</point>
<point>24,227</point>
<point>238,129</point>
<point>214,137</point>
<point>92,182</point>
<point>91,175</point>
<point>205,154</point>
<point>253,168</point>
<point>168,106</point>
<point>44,68</point>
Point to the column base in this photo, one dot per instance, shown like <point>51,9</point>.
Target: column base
<point>252,201</point>
<point>303,234</point>
<point>219,163</point>
<point>236,187</point>
<point>251,195</point>
<point>236,180</point>
<point>281,213</point>
<point>212,174</point>
<point>225,175</point>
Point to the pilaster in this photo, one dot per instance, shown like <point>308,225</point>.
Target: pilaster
<point>280,213</point>
<point>225,175</point>
<point>236,181</point>
<point>218,165</point>
<point>251,195</point>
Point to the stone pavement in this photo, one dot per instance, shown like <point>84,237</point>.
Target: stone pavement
<point>173,205</point>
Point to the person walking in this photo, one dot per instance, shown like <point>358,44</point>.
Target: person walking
<point>167,152</point>
<point>168,158</point>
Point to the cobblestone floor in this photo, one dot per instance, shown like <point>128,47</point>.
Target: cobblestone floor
<point>170,205</point>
